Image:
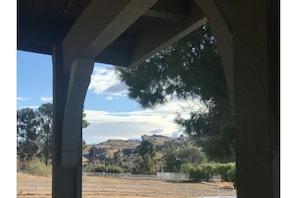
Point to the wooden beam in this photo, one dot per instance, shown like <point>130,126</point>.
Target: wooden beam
<point>224,41</point>
<point>39,35</point>
<point>160,35</point>
<point>164,15</point>
<point>99,25</point>
<point>80,75</point>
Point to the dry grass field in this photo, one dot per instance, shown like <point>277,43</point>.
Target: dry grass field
<point>40,187</point>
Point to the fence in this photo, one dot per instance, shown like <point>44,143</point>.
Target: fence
<point>164,176</point>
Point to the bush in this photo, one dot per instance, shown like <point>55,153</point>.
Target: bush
<point>227,171</point>
<point>37,167</point>
<point>113,169</point>
<point>231,174</point>
<point>100,169</point>
<point>204,172</point>
<point>187,168</point>
<point>109,169</point>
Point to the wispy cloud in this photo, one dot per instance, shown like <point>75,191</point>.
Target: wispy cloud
<point>130,125</point>
<point>109,98</point>
<point>105,80</point>
<point>31,107</point>
<point>22,99</point>
<point>46,99</point>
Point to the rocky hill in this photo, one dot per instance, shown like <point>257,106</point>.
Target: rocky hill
<point>127,149</point>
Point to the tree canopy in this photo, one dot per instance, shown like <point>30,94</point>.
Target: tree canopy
<point>35,133</point>
<point>190,68</point>
<point>147,163</point>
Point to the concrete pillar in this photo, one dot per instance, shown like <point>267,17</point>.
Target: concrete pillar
<point>256,98</point>
<point>67,163</point>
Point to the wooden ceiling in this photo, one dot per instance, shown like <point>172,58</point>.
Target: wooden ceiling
<point>43,23</point>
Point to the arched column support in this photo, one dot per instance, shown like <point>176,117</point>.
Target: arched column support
<point>224,41</point>
<point>69,90</point>
<point>78,84</point>
<point>250,59</point>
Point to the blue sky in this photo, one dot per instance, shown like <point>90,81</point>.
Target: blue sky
<point>112,115</point>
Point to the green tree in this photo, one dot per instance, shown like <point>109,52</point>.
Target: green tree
<point>83,145</point>
<point>171,164</point>
<point>190,68</point>
<point>147,164</point>
<point>45,118</point>
<point>35,133</point>
<point>147,146</point>
<point>85,123</point>
<point>191,155</point>
<point>28,138</point>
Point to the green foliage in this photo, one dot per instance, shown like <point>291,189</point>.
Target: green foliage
<point>226,171</point>
<point>147,162</point>
<point>35,133</point>
<point>187,168</point>
<point>83,145</point>
<point>147,147</point>
<point>190,68</point>
<point>170,158</point>
<point>113,169</point>
<point>175,158</point>
<point>205,171</point>
<point>145,165</point>
<point>45,117</point>
<point>37,167</point>
<point>85,123</point>
<point>192,155</point>
<point>28,138</point>
<point>109,169</point>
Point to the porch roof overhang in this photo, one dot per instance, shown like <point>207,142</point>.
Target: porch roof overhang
<point>117,32</point>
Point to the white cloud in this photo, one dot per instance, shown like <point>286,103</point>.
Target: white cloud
<point>130,125</point>
<point>109,98</point>
<point>31,107</point>
<point>105,80</point>
<point>22,99</point>
<point>46,99</point>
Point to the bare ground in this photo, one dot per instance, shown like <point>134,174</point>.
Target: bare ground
<point>36,186</point>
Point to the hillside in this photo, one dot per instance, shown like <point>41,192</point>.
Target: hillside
<point>127,149</point>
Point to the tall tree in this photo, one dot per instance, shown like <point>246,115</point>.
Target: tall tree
<point>35,132</point>
<point>147,164</point>
<point>170,158</point>
<point>191,155</point>
<point>45,117</point>
<point>190,68</point>
<point>28,139</point>
<point>85,123</point>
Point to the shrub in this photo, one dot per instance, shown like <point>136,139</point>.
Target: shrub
<point>204,172</point>
<point>37,167</point>
<point>100,169</point>
<point>187,168</point>
<point>109,169</point>
<point>231,174</point>
<point>227,171</point>
<point>113,169</point>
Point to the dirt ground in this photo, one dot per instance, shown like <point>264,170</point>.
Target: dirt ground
<point>36,186</point>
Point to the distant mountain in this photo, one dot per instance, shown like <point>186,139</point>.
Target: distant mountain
<point>127,149</point>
